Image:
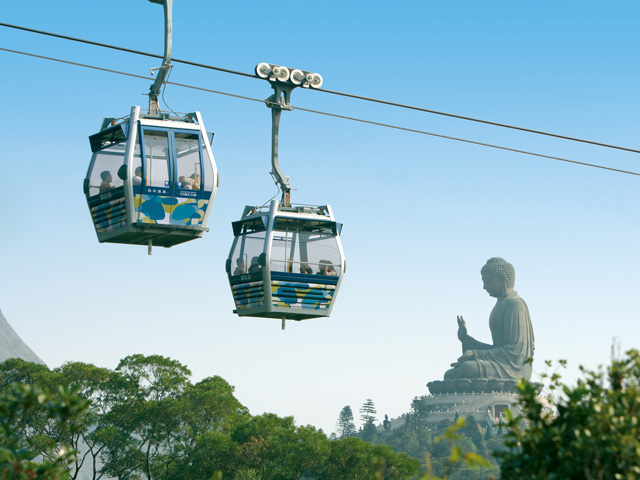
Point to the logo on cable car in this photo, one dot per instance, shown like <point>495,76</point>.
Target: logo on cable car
<point>166,183</point>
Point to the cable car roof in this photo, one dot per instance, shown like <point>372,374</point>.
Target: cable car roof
<point>111,133</point>
<point>305,218</point>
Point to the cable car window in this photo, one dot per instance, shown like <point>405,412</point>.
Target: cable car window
<point>157,158</point>
<point>324,254</point>
<point>285,253</point>
<point>247,253</point>
<point>188,167</point>
<point>104,170</point>
<point>301,252</point>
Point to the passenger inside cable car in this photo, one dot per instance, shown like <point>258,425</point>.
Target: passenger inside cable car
<point>298,253</point>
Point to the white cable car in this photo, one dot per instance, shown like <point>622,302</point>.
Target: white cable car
<point>286,260</point>
<point>152,177</point>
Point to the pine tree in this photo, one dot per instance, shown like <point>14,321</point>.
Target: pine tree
<point>367,412</point>
<point>345,427</point>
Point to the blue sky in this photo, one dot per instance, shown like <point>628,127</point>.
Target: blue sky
<point>421,214</point>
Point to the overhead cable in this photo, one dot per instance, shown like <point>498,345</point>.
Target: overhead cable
<point>524,152</point>
<point>128,50</point>
<point>333,92</point>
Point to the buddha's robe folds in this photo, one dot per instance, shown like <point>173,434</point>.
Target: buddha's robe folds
<point>513,342</point>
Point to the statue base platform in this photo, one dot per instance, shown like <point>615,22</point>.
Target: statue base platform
<point>484,400</point>
<point>478,385</point>
<point>487,408</point>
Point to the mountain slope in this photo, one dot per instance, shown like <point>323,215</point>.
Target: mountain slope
<point>12,346</point>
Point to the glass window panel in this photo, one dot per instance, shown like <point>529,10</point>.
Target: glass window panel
<point>156,149</point>
<point>322,253</point>
<point>301,252</point>
<point>104,172</point>
<point>285,252</point>
<point>188,164</point>
<point>246,254</point>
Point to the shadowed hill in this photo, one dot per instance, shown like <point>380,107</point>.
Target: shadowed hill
<point>12,346</point>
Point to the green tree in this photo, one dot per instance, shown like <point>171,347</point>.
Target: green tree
<point>474,433</point>
<point>345,427</point>
<point>353,458</point>
<point>368,412</point>
<point>138,432</point>
<point>413,437</point>
<point>369,432</point>
<point>591,431</point>
<point>417,417</point>
<point>41,431</point>
<point>454,458</point>
<point>19,405</point>
<point>16,370</point>
<point>206,415</point>
<point>96,385</point>
<point>276,449</point>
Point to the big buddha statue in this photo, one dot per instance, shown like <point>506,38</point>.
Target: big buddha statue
<point>508,357</point>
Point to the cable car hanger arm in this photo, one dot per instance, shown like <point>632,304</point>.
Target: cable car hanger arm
<point>166,66</point>
<point>283,80</point>
<point>277,102</point>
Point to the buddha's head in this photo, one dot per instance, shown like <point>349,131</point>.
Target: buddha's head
<point>498,276</point>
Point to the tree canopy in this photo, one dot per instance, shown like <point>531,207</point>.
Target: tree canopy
<point>147,420</point>
<point>587,431</point>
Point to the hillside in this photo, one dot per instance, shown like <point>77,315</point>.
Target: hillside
<point>12,346</point>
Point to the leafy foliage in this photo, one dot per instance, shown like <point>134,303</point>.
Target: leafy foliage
<point>460,453</point>
<point>368,412</point>
<point>345,425</point>
<point>462,462</point>
<point>146,420</point>
<point>590,432</point>
<point>25,413</point>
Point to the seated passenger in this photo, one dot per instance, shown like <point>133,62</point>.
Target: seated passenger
<point>240,267</point>
<point>185,183</point>
<point>137,178</point>
<point>331,271</point>
<point>255,266</point>
<point>323,267</point>
<point>195,181</point>
<point>306,269</point>
<point>106,177</point>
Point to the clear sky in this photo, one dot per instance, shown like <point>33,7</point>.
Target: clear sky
<point>421,214</point>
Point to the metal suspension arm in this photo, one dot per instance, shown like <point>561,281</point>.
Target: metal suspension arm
<point>277,102</point>
<point>283,80</point>
<point>163,70</point>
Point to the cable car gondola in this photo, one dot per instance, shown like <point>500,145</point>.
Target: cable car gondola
<point>152,177</point>
<point>286,260</point>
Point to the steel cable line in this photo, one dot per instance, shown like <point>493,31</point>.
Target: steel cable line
<point>333,92</point>
<point>128,50</point>
<point>422,132</point>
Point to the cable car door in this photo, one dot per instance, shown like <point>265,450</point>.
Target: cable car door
<point>154,201</point>
<point>171,192</point>
<point>189,192</point>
